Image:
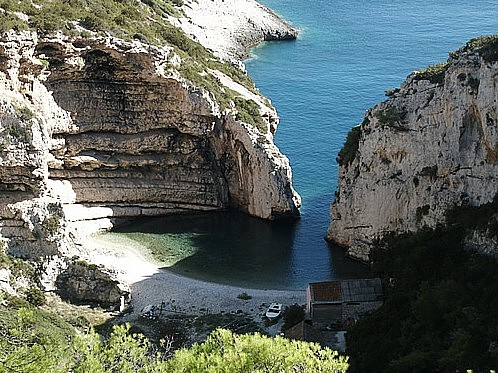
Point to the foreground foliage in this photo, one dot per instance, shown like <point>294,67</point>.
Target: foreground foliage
<point>441,312</point>
<point>225,351</point>
<point>33,340</point>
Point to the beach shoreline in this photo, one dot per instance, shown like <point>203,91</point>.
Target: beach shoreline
<point>152,284</point>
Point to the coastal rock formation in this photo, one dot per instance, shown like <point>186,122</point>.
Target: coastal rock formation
<point>244,23</point>
<point>81,282</point>
<point>95,129</point>
<point>107,128</point>
<point>432,146</point>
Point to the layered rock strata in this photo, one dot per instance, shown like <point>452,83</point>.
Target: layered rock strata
<point>125,134</point>
<point>431,146</point>
<point>97,129</point>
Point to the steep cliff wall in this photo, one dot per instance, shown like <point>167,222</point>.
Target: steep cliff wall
<point>102,128</point>
<point>95,128</point>
<point>431,146</point>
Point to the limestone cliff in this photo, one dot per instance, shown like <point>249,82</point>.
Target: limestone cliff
<point>431,146</point>
<point>95,128</point>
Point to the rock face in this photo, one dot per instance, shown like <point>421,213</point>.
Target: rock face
<point>81,282</point>
<point>431,146</point>
<point>92,130</point>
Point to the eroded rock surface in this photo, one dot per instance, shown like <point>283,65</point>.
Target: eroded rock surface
<point>92,130</point>
<point>431,146</point>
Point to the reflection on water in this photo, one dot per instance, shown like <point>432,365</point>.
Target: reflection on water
<point>235,249</point>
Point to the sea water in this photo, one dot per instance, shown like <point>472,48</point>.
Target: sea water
<point>347,54</point>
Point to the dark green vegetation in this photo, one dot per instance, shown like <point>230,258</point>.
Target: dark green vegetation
<point>37,341</point>
<point>244,296</point>
<point>248,112</point>
<point>126,19</point>
<point>292,315</point>
<point>486,46</point>
<point>33,339</point>
<point>390,116</point>
<point>348,152</point>
<point>441,313</point>
<point>434,73</point>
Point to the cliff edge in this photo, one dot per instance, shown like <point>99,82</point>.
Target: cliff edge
<point>431,147</point>
<point>113,118</point>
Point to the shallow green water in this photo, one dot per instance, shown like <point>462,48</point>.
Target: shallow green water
<point>232,248</point>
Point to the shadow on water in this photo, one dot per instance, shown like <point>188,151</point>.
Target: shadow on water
<point>222,247</point>
<point>236,249</point>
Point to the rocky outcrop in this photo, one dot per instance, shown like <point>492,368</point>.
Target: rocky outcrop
<point>229,27</point>
<point>98,129</point>
<point>87,283</point>
<point>431,146</point>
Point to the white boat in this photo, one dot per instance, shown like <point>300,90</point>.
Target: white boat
<point>274,311</point>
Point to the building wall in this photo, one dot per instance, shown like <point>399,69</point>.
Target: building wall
<point>358,309</point>
<point>326,313</point>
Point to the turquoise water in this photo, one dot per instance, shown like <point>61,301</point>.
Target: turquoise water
<point>347,55</point>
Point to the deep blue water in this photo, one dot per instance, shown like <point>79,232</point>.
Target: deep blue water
<point>348,53</point>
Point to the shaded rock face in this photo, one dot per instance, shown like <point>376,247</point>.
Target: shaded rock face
<point>81,282</point>
<point>430,147</point>
<point>104,129</point>
<point>144,143</point>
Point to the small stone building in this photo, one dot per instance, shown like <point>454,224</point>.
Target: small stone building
<point>336,302</point>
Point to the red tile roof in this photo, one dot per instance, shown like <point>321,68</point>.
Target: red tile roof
<point>328,291</point>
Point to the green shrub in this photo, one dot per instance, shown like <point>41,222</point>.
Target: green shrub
<point>486,46</point>
<point>244,296</point>
<point>390,116</point>
<point>35,296</point>
<point>52,224</point>
<point>292,315</point>
<point>37,341</point>
<point>391,92</point>
<point>421,212</point>
<point>429,171</point>
<point>9,21</point>
<point>348,152</point>
<point>434,73</point>
<point>440,315</point>
<point>248,112</point>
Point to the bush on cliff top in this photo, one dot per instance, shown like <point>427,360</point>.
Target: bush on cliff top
<point>434,73</point>
<point>121,18</point>
<point>348,152</point>
<point>145,20</point>
<point>486,46</point>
